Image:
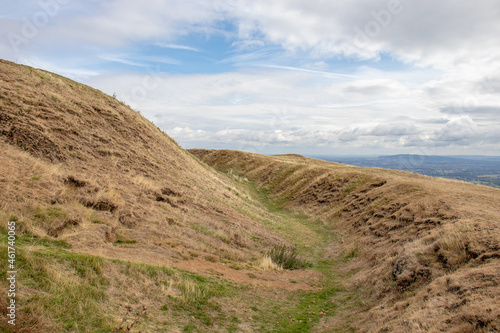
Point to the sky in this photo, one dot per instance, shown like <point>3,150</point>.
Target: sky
<point>313,77</point>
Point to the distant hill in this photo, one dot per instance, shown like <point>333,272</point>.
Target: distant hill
<point>483,170</point>
<point>111,226</point>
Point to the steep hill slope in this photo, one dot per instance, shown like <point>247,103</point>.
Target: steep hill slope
<point>422,254</point>
<point>80,172</point>
<point>110,174</point>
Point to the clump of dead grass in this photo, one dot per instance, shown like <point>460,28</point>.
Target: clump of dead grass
<point>266,263</point>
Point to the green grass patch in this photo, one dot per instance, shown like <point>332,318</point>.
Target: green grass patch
<point>68,289</point>
<point>300,312</point>
<point>46,242</point>
<point>139,270</point>
<point>42,214</point>
<point>24,238</point>
<point>198,300</point>
<point>122,240</point>
<point>264,195</point>
<point>189,328</point>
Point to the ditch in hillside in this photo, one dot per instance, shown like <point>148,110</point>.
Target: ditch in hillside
<point>318,245</point>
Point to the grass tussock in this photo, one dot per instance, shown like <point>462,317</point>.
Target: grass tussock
<point>287,257</point>
<point>267,263</point>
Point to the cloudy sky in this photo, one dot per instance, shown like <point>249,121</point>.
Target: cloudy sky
<point>281,76</point>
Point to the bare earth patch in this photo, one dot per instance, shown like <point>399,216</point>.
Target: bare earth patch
<point>277,279</point>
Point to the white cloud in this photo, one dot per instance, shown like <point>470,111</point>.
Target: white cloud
<point>429,33</point>
<point>376,89</point>
<point>459,130</point>
<point>177,47</point>
<point>122,60</point>
<point>298,73</point>
<point>395,129</point>
<point>439,34</point>
<point>309,70</point>
<point>298,109</point>
<point>138,61</point>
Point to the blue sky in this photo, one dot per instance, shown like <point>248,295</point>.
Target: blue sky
<point>287,76</point>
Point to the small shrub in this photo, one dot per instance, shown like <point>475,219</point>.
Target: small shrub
<point>287,257</point>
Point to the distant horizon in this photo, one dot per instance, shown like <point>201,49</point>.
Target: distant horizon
<point>478,169</point>
<point>317,155</point>
<point>404,154</point>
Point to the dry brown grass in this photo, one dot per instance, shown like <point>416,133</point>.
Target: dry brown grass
<point>421,254</point>
<point>69,147</point>
<point>267,263</point>
<point>77,166</point>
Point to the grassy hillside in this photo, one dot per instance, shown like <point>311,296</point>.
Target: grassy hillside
<point>419,254</point>
<point>103,201</point>
<point>97,174</point>
<point>118,229</point>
